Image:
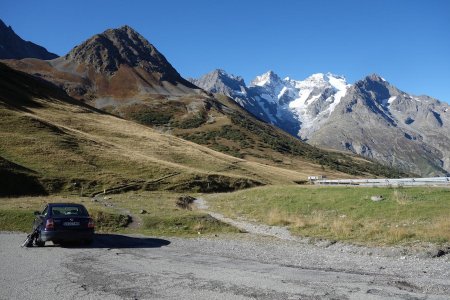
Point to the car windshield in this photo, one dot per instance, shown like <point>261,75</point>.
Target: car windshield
<point>68,211</point>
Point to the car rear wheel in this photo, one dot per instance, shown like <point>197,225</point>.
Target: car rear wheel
<point>62,243</point>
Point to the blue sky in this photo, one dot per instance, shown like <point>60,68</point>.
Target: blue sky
<point>405,41</point>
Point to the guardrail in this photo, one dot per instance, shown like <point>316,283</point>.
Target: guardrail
<point>431,181</point>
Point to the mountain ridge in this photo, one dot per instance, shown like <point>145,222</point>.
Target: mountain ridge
<point>136,93</point>
<point>107,51</point>
<point>306,109</point>
<point>115,64</point>
<point>69,143</point>
<point>14,47</point>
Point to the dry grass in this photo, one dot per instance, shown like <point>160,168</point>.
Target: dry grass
<point>91,147</point>
<point>401,197</point>
<point>440,229</point>
<point>344,213</point>
<point>276,217</point>
<point>38,203</point>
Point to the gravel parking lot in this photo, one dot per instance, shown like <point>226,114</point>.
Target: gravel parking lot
<point>243,267</point>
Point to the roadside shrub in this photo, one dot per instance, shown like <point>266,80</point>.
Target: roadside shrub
<point>110,222</point>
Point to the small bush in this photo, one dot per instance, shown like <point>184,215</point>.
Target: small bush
<point>110,222</point>
<point>185,202</point>
<point>152,118</point>
<point>193,122</point>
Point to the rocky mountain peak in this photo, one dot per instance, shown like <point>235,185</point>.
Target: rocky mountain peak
<point>376,87</point>
<point>374,79</point>
<point>106,51</point>
<point>13,46</point>
<point>4,27</point>
<point>321,80</point>
<point>222,74</point>
<point>317,77</point>
<point>268,78</point>
<point>219,81</point>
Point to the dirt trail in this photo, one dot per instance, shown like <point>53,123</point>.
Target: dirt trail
<point>260,229</point>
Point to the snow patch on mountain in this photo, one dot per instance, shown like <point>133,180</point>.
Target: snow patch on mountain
<point>268,78</point>
<point>392,99</point>
<point>387,102</point>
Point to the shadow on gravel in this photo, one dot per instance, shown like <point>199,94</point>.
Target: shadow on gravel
<point>117,241</point>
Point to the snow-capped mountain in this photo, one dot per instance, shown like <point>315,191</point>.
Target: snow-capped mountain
<point>260,101</point>
<point>296,106</point>
<point>308,101</point>
<point>371,117</point>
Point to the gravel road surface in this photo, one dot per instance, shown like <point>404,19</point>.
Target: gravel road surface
<point>245,267</point>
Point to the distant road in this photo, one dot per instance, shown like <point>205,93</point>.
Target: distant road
<point>431,181</point>
<point>249,267</point>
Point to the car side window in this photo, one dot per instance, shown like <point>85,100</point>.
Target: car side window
<point>45,211</point>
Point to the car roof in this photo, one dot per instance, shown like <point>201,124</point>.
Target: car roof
<point>65,204</point>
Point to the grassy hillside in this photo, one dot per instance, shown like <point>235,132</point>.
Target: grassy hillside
<point>16,180</point>
<point>220,124</point>
<point>66,146</point>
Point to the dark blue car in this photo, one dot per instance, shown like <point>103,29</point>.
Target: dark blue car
<point>63,222</point>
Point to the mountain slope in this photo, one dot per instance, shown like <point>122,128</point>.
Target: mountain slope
<point>371,118</point>
<point>52,143</point>
<point>120,72</point>
<point>12,46</point>
<point>117,64</point>
<point>377,120</point>
<point>60,144</point>
<point>220,82</point>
